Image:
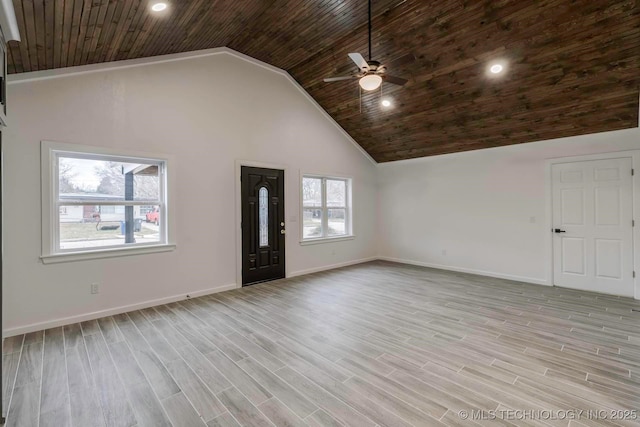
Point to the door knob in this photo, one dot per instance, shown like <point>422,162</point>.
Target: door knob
<point>557,230</point>
<point>282,231</point>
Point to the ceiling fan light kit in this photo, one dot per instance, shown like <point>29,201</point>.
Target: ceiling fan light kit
<point>370,82</point>
<point>370,73</point>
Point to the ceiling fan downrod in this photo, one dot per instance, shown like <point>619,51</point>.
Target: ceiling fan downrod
<point>369,30</point>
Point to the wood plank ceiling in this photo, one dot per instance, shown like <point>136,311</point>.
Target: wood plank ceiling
<point>573,65</point>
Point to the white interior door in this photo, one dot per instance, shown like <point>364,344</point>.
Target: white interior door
<point>592,226</point>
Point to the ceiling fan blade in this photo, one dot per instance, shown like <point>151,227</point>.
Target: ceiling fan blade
<point>359,61</point>
<point>340,78</point>
<point>394,80</point>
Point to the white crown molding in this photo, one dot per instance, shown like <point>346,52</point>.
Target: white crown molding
<point>14,79</point>
<point>109,66</point>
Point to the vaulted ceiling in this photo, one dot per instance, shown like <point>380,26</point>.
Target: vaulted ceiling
<point>573,66</point>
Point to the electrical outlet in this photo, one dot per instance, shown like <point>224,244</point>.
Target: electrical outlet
<point>95,288</point>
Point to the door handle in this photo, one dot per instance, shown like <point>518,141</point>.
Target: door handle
<point>557,230</point>
<point>282,231</point>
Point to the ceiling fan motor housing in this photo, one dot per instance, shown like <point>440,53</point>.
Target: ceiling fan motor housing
<point>373,65</point>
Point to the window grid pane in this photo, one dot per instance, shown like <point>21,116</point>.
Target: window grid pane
<point>109,179</point>
<point>312,192</point>
<point>94,226</point>
<point>337,219</point>
<point>312,223</point>
<point>336,193</point>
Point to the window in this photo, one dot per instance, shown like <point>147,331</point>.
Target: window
<point>325,207</point>
<point>98,201</point>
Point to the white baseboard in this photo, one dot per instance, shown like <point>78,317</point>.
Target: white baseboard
<point>331,267</point>
<point>155,302</point>
<point>111,311</point>
<point>532,280</point>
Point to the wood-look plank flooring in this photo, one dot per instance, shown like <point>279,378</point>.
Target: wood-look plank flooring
<point>378,344</point>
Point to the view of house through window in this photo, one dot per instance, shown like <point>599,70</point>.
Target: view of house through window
<point>103,201</point>
<point>325,207</point>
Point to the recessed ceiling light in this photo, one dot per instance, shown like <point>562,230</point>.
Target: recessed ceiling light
<point>386,103</point>
<point>158,7</point>
<point>496,68</point>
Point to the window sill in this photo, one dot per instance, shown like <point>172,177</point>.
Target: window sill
<point>326,240</point>
<point>105,253</point>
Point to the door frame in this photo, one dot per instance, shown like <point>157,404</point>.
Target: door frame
<point>635,194</point>
<point>238,211</point>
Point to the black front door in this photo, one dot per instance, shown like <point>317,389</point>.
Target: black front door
<point>262,225</point>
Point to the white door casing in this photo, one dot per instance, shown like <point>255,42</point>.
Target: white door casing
<point>592,207</point>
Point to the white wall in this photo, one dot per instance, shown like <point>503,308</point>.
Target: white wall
<point>207,112</point>
<point>486,209</point>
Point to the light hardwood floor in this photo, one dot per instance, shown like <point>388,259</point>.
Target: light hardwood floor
<point>375,344</point>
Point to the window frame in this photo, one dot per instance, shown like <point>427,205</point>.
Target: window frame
<point>51,203</point>
<point>348,208</point>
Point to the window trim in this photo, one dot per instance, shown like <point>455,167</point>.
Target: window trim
<point>51,253</point>
<point>325,218</point>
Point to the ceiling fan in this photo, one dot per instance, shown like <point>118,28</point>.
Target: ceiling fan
<point>370,73</point>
